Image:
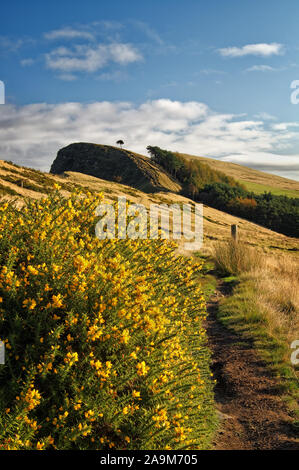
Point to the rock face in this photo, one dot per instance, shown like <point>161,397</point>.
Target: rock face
<point>113,164</point>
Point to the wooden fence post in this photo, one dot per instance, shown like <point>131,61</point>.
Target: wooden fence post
<point>234,232</point>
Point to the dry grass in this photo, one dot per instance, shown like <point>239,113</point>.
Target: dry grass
<point>265,302</point>
<point>275,278</point>
<point>277,294</point>
<point>235,258</point>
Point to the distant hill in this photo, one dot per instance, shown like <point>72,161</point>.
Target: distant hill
<point>17,183</point>
<point>132,169</point>
<point>140,180</point>
<point>202,183</point>
<point>254,180</point>
<point>114,164</point>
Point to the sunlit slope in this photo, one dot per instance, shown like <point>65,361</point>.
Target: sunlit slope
<point>254,180</point>
<point>19,182</point>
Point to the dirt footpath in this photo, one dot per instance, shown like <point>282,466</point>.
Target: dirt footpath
<point>251,413</point>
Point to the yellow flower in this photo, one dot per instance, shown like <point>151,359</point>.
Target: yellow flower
<point>32,270</point>
<point>125,336</point>
<point>71,358</point>
<point>33,398</point>
<point>142,368</point>
<point>80,263</point>
<point>133,355</point>
<point>56,301</point>
<point>31,303</point>
<point>89,414</point>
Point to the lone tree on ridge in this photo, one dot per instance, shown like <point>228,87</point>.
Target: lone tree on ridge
<point>120,143</point>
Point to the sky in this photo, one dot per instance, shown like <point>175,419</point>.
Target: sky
<point>205,78</point>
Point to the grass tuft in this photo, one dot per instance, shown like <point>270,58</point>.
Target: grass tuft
<point>235,257</point>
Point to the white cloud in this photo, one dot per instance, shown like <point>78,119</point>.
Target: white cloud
<point>91,58</point>
<point>31,135</point>
<point>283,126</point>
<point>261,49</point>
<point>69,33</point>
<point>123,53</point>
<point>283,165</point>
<point>261,68</point>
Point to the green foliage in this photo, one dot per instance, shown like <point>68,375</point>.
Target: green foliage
<point>259,188</point>
<point>202,183</point>
<point>192,174</point>
<point>278,213</point>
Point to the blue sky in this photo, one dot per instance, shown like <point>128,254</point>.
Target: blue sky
<point>207,78</point>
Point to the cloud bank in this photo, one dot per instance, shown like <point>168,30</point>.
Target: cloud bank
<point>31,135</point>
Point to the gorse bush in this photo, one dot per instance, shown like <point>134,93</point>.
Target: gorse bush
<point>104,341</point>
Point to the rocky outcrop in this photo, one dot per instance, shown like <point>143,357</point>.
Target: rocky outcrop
<point>113,164</point>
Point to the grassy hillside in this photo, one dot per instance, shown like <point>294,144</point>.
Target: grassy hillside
<point>202,183</point>
<point>254,180</point>
<point>217,224</point>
